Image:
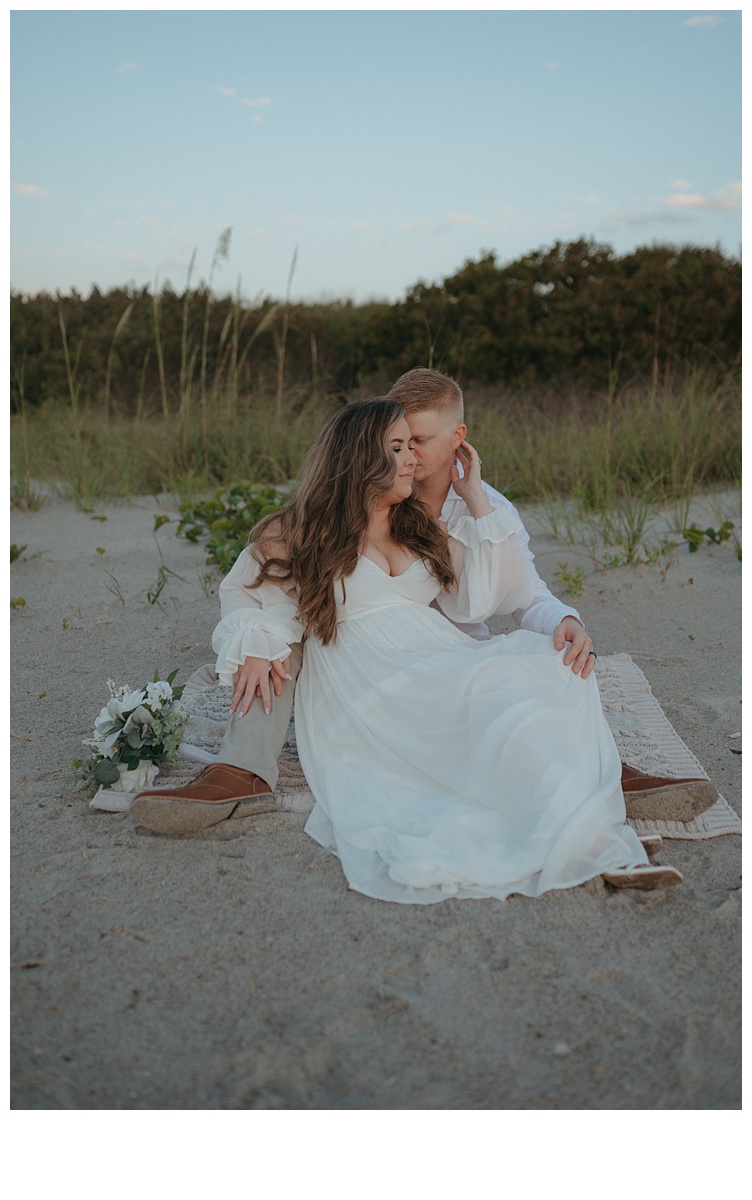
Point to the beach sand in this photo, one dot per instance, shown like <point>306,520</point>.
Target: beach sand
<point>234,970</point>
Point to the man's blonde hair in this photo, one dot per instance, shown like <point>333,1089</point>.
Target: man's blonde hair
<point>424,389</point>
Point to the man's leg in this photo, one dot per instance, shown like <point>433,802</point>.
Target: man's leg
<point>240,783</point>
<point>255,742</point>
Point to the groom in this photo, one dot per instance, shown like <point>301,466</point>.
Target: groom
<point>242,781</point>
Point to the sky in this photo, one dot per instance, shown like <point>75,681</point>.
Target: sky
<point>378,147</point>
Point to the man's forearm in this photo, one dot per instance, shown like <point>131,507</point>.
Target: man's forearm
<point>544,613</point>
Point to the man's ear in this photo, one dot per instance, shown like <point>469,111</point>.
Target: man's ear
<point>460,434</point>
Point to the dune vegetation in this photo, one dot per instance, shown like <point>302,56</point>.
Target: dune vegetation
<point>586,375</point>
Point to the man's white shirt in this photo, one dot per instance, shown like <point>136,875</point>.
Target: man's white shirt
<point>545,611</point>
<point>542,615</point>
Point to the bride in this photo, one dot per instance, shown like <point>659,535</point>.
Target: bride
<point>441,766</point>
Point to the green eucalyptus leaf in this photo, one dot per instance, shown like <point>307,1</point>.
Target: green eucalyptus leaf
<point>105,772</point>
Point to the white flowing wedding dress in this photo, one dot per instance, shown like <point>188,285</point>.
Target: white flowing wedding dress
<point>443,766</point>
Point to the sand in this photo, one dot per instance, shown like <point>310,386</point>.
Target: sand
<point>234,970</point>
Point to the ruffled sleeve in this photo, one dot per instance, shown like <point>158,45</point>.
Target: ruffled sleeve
<point>492,572</point>
<point>261,622</point>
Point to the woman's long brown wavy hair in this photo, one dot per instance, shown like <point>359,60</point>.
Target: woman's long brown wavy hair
<point>315,539</point>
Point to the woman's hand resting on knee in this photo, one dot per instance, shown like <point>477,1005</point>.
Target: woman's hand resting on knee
<point>256,677</point>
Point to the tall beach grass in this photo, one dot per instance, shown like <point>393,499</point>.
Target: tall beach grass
<point>652,444</point>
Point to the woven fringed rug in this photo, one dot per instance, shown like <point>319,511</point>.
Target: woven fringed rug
<point>645,738</point>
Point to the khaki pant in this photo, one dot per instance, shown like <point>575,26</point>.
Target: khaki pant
<point>254,742</point>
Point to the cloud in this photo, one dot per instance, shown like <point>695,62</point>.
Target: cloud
<point>708,20</point>
<point>465,219</point>
<point>255,102</point>
<point>682,185</point>
<point>31,189</point>
<point>133,256</point>
<point>366,226</point>
<point>680,208</point>
<point>422,225</point>
<point>636,220</point>
<point>725,199</point>
<point>507,213</point>
<point>690,200</point>
<point>149,222</point>
<point>127,65</point>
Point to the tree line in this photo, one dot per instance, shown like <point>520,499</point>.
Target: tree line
<point>574,313</point>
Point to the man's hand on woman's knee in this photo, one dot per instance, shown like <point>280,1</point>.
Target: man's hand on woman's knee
<point>578,655</point>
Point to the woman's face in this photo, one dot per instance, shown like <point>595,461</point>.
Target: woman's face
<point>398,440</point>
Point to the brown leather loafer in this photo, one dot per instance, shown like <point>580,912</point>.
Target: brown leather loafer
<point>645,878</point>
<point>663,798</point>
<point>219,792</point>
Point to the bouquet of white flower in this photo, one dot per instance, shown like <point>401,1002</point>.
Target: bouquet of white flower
<point>137,726</point>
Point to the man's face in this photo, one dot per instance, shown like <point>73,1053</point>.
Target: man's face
<point>435,438</point>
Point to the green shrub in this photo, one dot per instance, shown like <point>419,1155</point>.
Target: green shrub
<point>227,518</point>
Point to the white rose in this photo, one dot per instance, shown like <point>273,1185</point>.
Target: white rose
<point>158,693</point>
